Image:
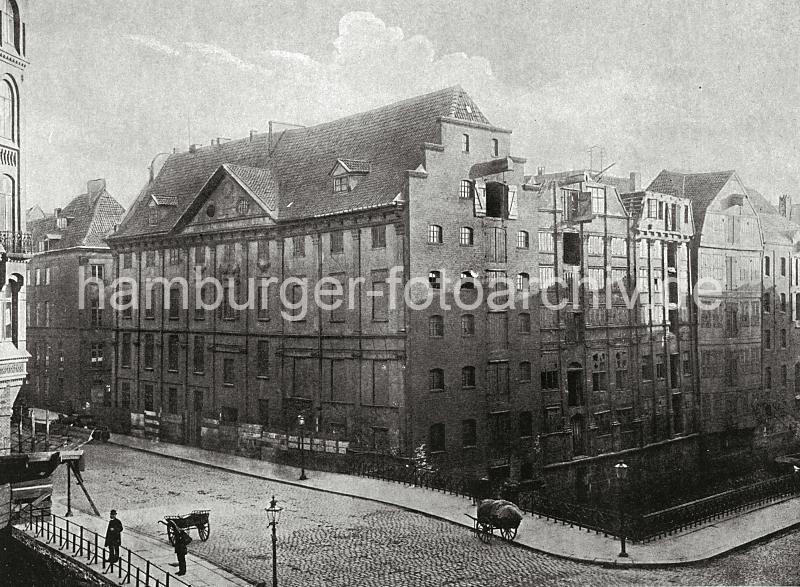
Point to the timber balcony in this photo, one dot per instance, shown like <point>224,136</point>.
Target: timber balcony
<point>18,243</point>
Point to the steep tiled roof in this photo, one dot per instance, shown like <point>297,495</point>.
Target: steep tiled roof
<point>299,161</point>
<point>165,200</point>
<point>633,202</point>
<point>259,181</point>
<point>90,217</point>
<point>776,228</point>
<point>700,188</point>
<point>355,165</point>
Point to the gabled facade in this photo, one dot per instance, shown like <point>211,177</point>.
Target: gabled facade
<point>70,345</point>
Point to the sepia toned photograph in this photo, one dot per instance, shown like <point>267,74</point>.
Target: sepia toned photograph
<point>382,293</point>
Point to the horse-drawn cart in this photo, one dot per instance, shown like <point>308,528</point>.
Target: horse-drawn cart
<point>197,519</point>
<point>496,514</point>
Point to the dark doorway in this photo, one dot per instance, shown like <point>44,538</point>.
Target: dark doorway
<point>496,200</point>
<point>572,248</point>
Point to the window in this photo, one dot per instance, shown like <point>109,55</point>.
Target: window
<point>469,435</point>
<point>436,438</point>
<point>340,184</point>
<point>228,415</point>
<point>784,376</point>
<point>783,338</point>
<point>125,395</point>
<point>572,248</point>
<point>150,259</point>
<point>242,207</point>
<point>647,367</point>
<point>546,242</point>
<point>299,246</point>
<point>523,239</point>
<point>599,372</point>
<point>153,215</point>
<point>436,326</point>
<point>9,18</point>
<point>435,279</point>
<point>767,261</point>
<point>98,271</point>
<point>207,295</point>
<point>468,279</point>
<point>465,143</point>
<point>549,378</point>
<point>7,104</point>
<point>652,208</point>
<point>661,371</point>
<point>200,254</point>
<point>436,380</point>
<point>149,351</point>
<point>94,309</point>
<point>598,200</point>
<point>263,358</point>
<point>596,245</point>
<point>495,147</point>
<point>467,325</point>
<point>174,302</point>
<point>434,234</point>
<point>97,355</point>
<point>47,312</point>
<point>337,241</point>
<point>525,372</point>
<point>172,400</point>
<point>262,310</point>
<point>768,377</point>
<point>172,352</point>
<point>379,237</point>
<point>524,323</point>
<point>767,339</point>
<point>465,189</point>
<point>468,376</point>
<point>199,355</point>
<point>523,281</point>
<point>465,237</point>
<point>767,302</point>
<point>687,363</point>
<point>525,424</point>
<point>47,276</point>
<point>783,266</point>
<point>125,358</point>
<point>783,302</point>
<point>228,371</point>
<point>380,297</point>
<point>620,369</point>
<point>603,422</point>
<point>174,256</point>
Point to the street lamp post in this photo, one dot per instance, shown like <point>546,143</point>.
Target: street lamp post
<point>621,470</point>
<point>273,515</point>
<point>301,421</point>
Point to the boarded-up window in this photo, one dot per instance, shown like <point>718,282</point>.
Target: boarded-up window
<point>263,358</point>
<point>497,378</point>
<point>498,330</point>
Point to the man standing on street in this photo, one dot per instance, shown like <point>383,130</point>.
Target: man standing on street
<point>113,537</point>
<point>181,540</point>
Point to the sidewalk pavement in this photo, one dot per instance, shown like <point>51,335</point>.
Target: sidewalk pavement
<point>199,572</point>
<point>546,536</point>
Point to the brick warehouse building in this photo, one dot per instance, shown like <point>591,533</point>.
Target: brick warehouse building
<point>71,352</point>
<point>430,186</point>
<point>14,242</point>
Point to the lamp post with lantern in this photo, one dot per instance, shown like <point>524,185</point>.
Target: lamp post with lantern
<point>621,470</point>
<point>273,515</point>
<point>301,421</point>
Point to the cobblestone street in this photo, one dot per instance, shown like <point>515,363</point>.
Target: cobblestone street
<point>326,539</point>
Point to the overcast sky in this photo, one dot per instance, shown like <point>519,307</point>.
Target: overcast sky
<point>673,84</point>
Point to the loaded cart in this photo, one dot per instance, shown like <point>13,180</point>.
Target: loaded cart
<point>496,514</point>
<point>197,519</point>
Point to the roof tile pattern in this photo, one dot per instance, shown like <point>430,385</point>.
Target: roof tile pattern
<point>90,217</point>
<point>700,188</point>
<point>299,161</point>
<point>259,181</point>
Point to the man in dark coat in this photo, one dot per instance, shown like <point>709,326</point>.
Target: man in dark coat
<point>113,537</point>
<point>181,540</point>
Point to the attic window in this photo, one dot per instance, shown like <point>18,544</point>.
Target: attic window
<point>153,215</point>
<point>61,222</point>
<point>242,207</point>
<point>340,184</point>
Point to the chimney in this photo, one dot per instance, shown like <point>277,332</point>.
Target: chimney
<point>634,183</point>
<point>57,212</point>
<point>193,148</point>
<point>95,186</point>
<point>784,205</point>
<point>540,171</point>
<point>252,134</point>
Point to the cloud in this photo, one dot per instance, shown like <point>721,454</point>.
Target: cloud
<point>220,55</point>
<point>153,44</point>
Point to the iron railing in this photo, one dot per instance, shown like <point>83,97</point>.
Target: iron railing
<point>80,542</point>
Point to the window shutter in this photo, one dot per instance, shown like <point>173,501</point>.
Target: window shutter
<point>512,202</point>
<point>584,207</point>
<point>480,198</point>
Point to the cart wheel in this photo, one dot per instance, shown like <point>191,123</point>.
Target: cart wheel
<point>204,530</point>
<point>485,533</point>
<point>508,533</point>
<point>171,534</point>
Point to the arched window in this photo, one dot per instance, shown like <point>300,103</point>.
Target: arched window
<point>465,189</point>
<point>523,239</point>
<point>468,376</point>
<point>436,438</point>
<point>9,24</point>
<point>466,238</point>
<point>435,279</point>
<point>495,147</point>
<point>524,323</point>
<point>468,279</point>
<point>6,203</point>
<point>436,380</point>
<point>523,281</point>
<point>7,110</point>
<point>435,326</point>
<point>524,372</point>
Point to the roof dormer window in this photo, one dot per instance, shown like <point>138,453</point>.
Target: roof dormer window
<point>347,173</point>
<point>153,218</point>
